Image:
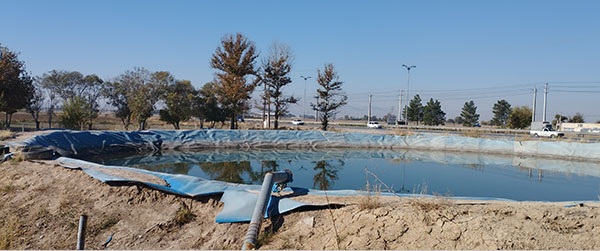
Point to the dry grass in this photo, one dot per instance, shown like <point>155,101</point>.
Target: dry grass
<point>6,134</point>
<point>8,188</point>
<point>8,232</point>
<point>401,132</point>
<point>109,222</point>
<point>430,204</point>
<point>371,199</point>
<point>473,134</point>
<point>287,243</point>
<point>523,137</point>
<point>183,215</point>
<point>264,238</point>
<point>18,157</point>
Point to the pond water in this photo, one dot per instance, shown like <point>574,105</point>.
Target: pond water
<point>401,171</point>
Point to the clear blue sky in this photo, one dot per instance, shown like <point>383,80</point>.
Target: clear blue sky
<point>464,50</point>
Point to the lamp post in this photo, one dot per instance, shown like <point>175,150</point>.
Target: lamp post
<point>304,100</point>
<point>407,90</point>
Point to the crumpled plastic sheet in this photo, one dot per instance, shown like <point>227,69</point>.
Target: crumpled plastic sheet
<point>238,199</point>
<point>84,143</point>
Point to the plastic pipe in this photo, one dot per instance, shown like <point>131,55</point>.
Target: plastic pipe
<point>81,232</point>
<point>261,204</point>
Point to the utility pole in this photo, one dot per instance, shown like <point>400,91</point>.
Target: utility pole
<point>317,110</point>
<point>399,108</point>
<point>534,101</point>
<point>304,103</point>
<point>545,101</point>
<point>369,112</point>
<point>408,87</point>
<point>264,110</point>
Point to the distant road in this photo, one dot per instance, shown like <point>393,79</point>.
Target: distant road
<point>487,131</point>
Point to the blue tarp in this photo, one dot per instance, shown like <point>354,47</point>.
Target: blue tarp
<point>238,199</point>
<point>77,144</point>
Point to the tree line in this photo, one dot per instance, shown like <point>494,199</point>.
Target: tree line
<point>136,93</point>
<point>504,115</point>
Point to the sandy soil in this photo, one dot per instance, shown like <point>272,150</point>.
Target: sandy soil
<point>42,202</point>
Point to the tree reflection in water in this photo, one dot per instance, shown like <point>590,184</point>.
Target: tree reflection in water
<point>326,173</point>
<point>175,168</point>
<point>265,166</point>
<point>231,171</point>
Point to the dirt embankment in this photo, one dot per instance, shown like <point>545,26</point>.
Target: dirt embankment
<point>42,202</point>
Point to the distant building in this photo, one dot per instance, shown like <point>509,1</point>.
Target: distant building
<point>579,127</point>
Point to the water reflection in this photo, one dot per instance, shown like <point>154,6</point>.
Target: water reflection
<point>458,174</point>
<point>265,166</point>
<point>230,171</point>
<point>326,173</point>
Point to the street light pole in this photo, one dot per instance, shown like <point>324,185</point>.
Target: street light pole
<point>304,100</point>
<point>407,90</point>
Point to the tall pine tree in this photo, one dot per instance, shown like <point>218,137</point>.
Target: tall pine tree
<point>501,111</point>
<point>469,114</point>
<point>433,114</point>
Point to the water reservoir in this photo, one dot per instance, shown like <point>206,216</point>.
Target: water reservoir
<point>400,171</point>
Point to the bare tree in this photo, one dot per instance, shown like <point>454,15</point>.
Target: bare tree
<point>275,77</point>
<point>35,104</point>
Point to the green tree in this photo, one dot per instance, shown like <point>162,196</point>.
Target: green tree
<point>329,95</point>
<point>275,76</point>
<point>117,93</point>
<point>148,94</point>
<point>577,118</point>
<point>559,119</point>
<point>433,114</point>
<point>208,107</point>
<point>179,100</point>
<point>16,86</point>
<point>469,114</point>
<point>458,120</point>
<point>520,117</point>
<point>415,111</point>
<point>75,113</point>
<point>135,92</point>
<point>69,85</point>
<point>91,95</point>
<point>501,111</point>
<point>234,61</point>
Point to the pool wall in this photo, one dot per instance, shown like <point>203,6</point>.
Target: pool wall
<point>81,143</point>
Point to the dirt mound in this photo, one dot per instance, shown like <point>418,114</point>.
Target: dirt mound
<point>42,203</point>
